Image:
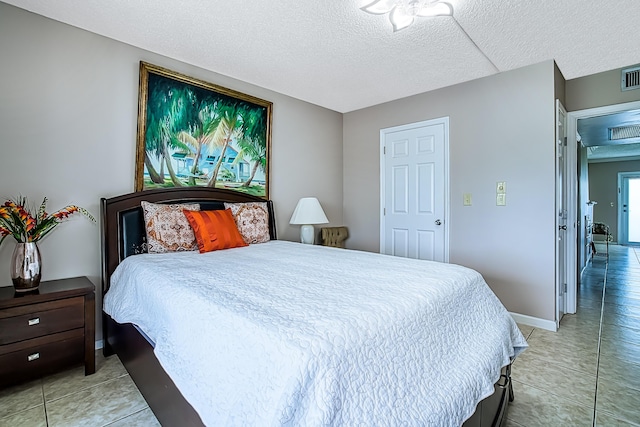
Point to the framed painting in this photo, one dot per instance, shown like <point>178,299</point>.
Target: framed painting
<point>194,133</point>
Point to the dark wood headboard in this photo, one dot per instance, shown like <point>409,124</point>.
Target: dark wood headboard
<point>122,222</point>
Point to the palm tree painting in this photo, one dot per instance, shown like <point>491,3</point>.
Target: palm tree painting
<point>191,133</point>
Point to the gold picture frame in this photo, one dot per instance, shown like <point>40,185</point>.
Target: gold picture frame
<point>195,133</point>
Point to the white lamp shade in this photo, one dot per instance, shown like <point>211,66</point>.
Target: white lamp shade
<point>308,211</point>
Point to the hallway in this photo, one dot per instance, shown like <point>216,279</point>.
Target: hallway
<point>587,373</point>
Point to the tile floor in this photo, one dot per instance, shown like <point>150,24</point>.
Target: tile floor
<point>586,374</point>
<point>107,398</point>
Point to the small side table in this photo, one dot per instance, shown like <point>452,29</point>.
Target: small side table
<point>47,330</point>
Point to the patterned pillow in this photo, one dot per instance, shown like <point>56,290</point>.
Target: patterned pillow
<point>252,219</point>
<point>214,230</point>
<point>167,228</point>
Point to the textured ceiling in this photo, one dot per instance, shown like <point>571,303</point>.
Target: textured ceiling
<point>330,53</point>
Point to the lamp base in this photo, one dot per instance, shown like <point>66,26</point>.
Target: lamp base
<point>307,234</point>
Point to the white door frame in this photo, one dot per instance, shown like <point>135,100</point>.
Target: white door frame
<point>623,238</point>
<point>562,216</point>
<point>572,190</point>
<point>383,132</point>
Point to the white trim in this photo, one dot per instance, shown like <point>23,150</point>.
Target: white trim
<point>619,234</point>
<point>570,244</point>
<point>571,297</point>
<point>607,109</point>
<point>614,159</point>
<point>444,121</point>
<point>99,344</point>
<point>382,190</point>
<point>536,322</point>
<point>572,209</point>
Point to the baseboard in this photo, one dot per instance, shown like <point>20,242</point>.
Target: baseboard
<point>536,322</point>
<point>99,344</point>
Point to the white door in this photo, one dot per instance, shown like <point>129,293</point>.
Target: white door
<point>629,208</point>
<point>414,190</point>
<point>561,205</point>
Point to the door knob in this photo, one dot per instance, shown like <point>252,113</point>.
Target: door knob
<point>438,222</point>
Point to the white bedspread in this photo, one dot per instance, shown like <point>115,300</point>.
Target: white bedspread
<point>282,333</point>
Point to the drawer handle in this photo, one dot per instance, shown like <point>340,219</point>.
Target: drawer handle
<point>32,357</point>
<point>506,379</point>
<point>34,321</point>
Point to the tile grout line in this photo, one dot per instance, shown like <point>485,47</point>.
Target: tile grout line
<point>88,387</point>
<point>604,286</point>
<point>126,416</point>
<point>44,403</point>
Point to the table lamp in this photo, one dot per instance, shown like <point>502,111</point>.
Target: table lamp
<point>308,212</point>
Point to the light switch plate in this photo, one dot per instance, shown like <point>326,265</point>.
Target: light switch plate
<point>501,187</point>
<point>501,200</point>
<point>466,199</point>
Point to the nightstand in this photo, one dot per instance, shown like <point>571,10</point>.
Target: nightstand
<point>47,330</point>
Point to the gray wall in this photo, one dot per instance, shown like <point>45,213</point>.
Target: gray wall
<point>598,90</point>
<point>603,188</point>
<point>560,85</point>
<point>68,128</point>
<point>501,129</point>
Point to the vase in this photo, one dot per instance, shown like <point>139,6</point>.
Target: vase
<point>26,266</point>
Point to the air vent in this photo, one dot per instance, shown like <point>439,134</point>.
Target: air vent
<point>631,78</point>
<point>624,132</point>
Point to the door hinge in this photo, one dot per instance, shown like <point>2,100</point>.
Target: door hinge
<point>565,140</point>
<point>564,288</point>
<point>384,211</point>
<point>384,150</point>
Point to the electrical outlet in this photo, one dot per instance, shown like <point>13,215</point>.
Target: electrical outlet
<point>466,199</point>
<point>501,200</point>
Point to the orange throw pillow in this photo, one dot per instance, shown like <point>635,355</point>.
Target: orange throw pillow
<point>214,230</point>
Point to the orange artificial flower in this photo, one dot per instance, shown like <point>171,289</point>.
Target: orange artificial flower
<point>16,220</point>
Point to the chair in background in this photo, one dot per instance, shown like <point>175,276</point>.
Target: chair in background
<point>334,236</point>
<point>602,229</point>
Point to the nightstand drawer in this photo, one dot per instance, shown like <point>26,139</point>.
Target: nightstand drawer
<point>36,320</point>
<point>41,356</point>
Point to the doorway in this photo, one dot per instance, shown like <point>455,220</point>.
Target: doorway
<point>414,190</point>
<point>579,199</point>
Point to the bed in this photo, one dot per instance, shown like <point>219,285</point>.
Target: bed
<point>327,351</point>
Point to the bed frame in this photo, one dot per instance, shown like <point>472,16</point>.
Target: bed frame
<point>123,234</point>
